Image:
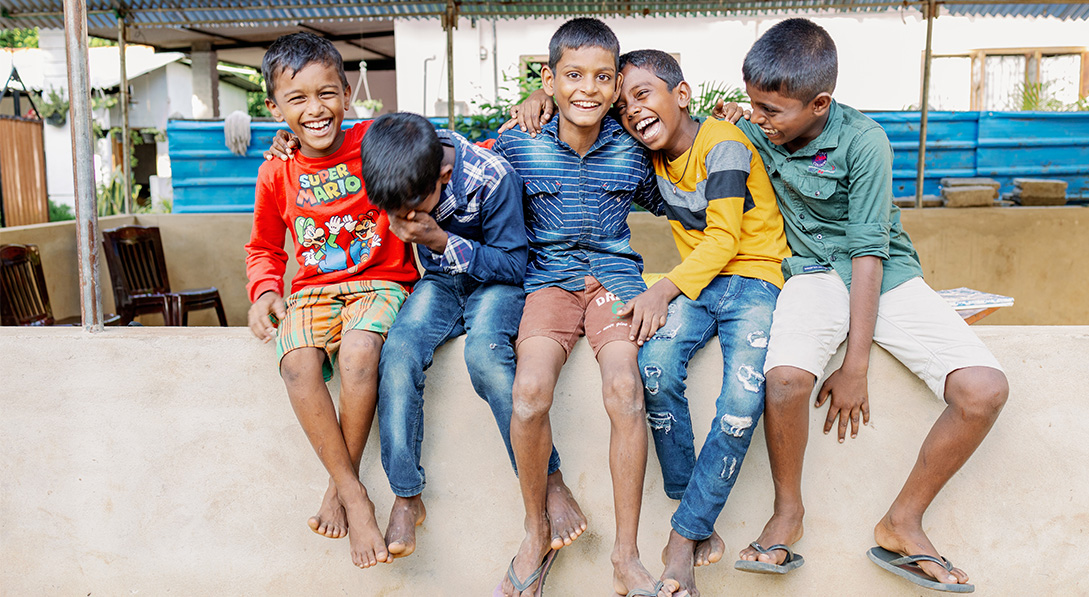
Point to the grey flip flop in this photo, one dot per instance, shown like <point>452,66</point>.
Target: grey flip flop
<point>521,585</point>
<point>647,592</point>
<point>792,561</point>
<point>907,567</point>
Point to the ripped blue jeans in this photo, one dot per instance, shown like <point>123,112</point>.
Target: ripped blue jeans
<point>441,308</point>
<point>739,310</point>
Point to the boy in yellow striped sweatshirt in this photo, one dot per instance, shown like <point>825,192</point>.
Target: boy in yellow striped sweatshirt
<point>721,208</point>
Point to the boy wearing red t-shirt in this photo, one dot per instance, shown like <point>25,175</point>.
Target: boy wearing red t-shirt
<point>353,276</point>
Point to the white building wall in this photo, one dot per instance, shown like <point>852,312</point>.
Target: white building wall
<point>59,177</point>
<point>880,54</point>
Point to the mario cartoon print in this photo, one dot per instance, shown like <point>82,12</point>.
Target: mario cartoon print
<point>364,238</point>
<point>323,251</point>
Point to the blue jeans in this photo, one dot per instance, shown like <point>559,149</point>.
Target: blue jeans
<point>739,310</point>
<point>443,307</point>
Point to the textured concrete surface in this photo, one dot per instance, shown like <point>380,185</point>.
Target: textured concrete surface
<point>168,462</point>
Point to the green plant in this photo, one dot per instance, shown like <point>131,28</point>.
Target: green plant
<point>100,102</point>
<point>708,93</point>
<point>111,195</point>
<point>1034,97</point>
<point>59,212</point>
<point>19,38</point>
<point>488,116</point>
<point>375,105</point>
<point>52,106</point>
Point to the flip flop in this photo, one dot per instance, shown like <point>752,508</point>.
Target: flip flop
<point>792,561</point>
<point>907,567</point>
<point>521,585</point>
<point>647,592</point>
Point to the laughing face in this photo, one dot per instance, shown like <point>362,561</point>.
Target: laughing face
<point>312,102</point>
<point>584,86</point>
<point>653,114</point>
<point>788,121</point>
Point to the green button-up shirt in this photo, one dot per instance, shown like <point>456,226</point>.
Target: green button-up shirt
<point>836,198</point>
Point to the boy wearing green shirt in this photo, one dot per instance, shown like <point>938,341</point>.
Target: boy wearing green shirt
<point>856,276</point>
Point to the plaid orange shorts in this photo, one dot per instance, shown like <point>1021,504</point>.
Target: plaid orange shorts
<point>318,316</point>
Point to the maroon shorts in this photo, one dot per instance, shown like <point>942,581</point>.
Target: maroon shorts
<point>564,315</point>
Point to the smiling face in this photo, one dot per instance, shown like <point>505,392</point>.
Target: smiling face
<point>584,86</point>
<point>312,103</point>
<point>653,114</point>
<point>788,121</point>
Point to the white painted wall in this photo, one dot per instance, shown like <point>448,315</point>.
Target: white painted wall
<point>880,53</point>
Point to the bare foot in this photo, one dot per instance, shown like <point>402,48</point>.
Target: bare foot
<point>531,553</point>
<point>330,521</point>
<point>908,538</point>
<point>630,575</point>
<point>405,515</point>
<point>680,563</point>
<point>368,547</point>
<point>709,550</point>
<point>783,528</point>
<point>564,514</point>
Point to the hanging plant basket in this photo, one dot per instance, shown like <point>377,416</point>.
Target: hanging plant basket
<point>57,118</point>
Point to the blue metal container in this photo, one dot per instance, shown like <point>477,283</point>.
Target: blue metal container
<point>208,178</point>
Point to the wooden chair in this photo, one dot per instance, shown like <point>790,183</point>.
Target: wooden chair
<point>140,283</point>
<point>24,299</point>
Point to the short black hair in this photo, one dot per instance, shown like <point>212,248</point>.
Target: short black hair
<point>293,53</point>
<point>661,64</point>
<point>796,58</point>
<point>580,33</point>
<point>402,157</point>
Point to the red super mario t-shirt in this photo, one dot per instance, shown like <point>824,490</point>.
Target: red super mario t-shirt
<point>338,235</point>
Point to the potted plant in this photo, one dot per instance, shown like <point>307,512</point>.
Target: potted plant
<point>367,108</point>
<point>53,107</point>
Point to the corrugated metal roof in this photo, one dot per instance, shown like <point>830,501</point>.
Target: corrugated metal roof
<point>192,13</point>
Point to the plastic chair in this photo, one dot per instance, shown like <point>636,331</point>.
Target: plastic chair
<point>140,283</point>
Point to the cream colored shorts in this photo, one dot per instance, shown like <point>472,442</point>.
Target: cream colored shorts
<point>914,324</point>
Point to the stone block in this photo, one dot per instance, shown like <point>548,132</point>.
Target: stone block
<point>972,181</point>
<point>1039,191</point>
<point>908,202</point>
<point>969,196</point>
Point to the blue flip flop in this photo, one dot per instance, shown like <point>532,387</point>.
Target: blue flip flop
<point>521,585</point>
<point>792,561</point>
<point>908,567</point>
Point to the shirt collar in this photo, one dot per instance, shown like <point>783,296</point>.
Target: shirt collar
<point>454,193</point>
<point>610,129</point>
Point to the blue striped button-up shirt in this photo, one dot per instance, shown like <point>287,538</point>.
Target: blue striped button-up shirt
<point>576,208</point>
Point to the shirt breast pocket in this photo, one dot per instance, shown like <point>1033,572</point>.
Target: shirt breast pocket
<point>820,196</point>
<point>542,198</point>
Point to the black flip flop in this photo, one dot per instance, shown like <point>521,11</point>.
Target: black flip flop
<point>908,567</point>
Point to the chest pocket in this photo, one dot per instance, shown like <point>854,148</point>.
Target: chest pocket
<point>819,194</point>
<point>541,198</point>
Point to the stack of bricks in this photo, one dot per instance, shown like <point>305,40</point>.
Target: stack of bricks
<point>969,192</point>
<point>1039,191</point>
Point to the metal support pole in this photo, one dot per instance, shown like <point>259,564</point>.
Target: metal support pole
<point>126,141</point>
<point>79,97</point>
<point>449,22</point>
<point>924,103</point>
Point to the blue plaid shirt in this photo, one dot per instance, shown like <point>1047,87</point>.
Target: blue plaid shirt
<point>481,210</point>
<point>576,208</point>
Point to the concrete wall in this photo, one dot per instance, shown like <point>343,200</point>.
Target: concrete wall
<point>1032,254</point>
<point>153,462</point>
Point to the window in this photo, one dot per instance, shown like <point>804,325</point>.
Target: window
<point>1009,79</point>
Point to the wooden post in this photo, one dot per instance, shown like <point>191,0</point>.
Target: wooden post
<point>126,142</point>
<point>924,104</point>
<point>450,21</point>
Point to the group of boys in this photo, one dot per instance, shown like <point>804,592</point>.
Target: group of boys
<point>526,248</point>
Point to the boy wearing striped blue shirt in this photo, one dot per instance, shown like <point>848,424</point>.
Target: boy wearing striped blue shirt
<point>581,175</point>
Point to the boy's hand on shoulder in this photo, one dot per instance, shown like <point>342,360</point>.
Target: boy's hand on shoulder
<point>730,112</point>
<point>265,314</point>
<point>420,228</point>
<point>649,310</point>
<point>531,115</point>
<point>284,145</point>
<point>850,400</point>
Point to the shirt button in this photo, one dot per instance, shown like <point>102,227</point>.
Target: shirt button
<point>801,216</point>
<point>820,236</point>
